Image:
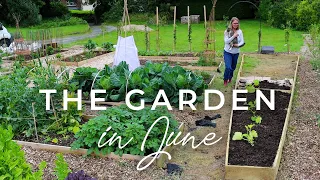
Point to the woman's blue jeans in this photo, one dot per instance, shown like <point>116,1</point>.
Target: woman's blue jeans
<point>230,61</point>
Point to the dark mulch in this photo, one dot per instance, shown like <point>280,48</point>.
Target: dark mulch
<point>269,132</point>
<point>29,57</point>
<point>266,84</point>
<point>66,140</point>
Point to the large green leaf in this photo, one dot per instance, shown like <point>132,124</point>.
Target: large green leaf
<point>181,81</point>
<point>115,80</point>
<point>136,80</point>
<point>105,83</point>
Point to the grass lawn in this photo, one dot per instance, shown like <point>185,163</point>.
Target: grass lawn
<point>270,37</point>
<point>66,30</point>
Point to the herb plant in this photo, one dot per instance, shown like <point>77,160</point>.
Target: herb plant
<point>61,170</point>
<point>80,175</point>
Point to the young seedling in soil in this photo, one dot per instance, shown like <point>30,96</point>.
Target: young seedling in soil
<point>254,117</point>
<point>252,104</point>
<point>249,136</point>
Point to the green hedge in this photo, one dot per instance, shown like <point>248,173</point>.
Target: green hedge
<point>241,10</point>
<point>85,15</point>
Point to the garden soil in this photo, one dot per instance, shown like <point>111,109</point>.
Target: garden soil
<point>277,66</point>
<point>269,132</point>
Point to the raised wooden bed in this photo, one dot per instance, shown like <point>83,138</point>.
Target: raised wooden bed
<point>66,62</point>
<point>160,162</point>
<point>185,62</point>
<point>248,172</point>
<point>168,58</point>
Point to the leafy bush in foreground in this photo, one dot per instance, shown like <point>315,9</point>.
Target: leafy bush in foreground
<point>126,123</point>
<point>13,163</point>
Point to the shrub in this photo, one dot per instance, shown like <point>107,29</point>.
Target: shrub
<point>13,163</point>
<point>26,9</point>
<point>54,9</point>
<point>85,15</point>
<point>115,13</point>
<point>58,22</point>
<point>301,14</point>
<point>307,14</point>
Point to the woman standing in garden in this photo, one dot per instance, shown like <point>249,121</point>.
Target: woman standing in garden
<point>233,40</point>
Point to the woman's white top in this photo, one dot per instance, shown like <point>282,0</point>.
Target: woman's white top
<point>228,40</point>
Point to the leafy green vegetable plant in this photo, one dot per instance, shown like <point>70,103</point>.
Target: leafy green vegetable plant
<point>126,123</point>
<point>62,169</point>
<point>50,50</point>
<point>90,45</point>
<point>249,136</point>
<point>108,46</point>
<point>13,163</point>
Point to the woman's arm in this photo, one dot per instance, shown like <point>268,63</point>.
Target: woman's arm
<point>227,40</point>
<point>241,39</point>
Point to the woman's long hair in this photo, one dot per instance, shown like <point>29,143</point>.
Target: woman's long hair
<point>231,21</point>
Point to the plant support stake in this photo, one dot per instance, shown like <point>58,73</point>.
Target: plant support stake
<point>174,29</point>
<point>158,38</point>
<point>35,122</point>
<point>189,30</point>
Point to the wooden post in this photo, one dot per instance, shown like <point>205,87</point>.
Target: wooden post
<point>34,120</point>
<point>189,33</point>
<point>214,30</point>
<point>158,38</point>
<point>205,16</point>
<point>174,29</point>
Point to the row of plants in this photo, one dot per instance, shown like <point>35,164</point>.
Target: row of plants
<point>314,47</point>
<point>91,51</point>
<point>251,134</point>
<point>21,102</point>
<point>150,78</point>
<point>14,165</point>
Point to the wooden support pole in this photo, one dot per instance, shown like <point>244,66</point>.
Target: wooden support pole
<point>189,33</point>
<point>35,122</point>
<point>174,29</point>
<point>205,16</point>
<point>158,38</point>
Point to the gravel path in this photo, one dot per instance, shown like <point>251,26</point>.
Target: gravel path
<point>100,168</point>
<point>95,31</point>
<point>301,154</point>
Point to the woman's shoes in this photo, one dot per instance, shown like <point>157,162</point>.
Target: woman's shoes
<point>226,82</point>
